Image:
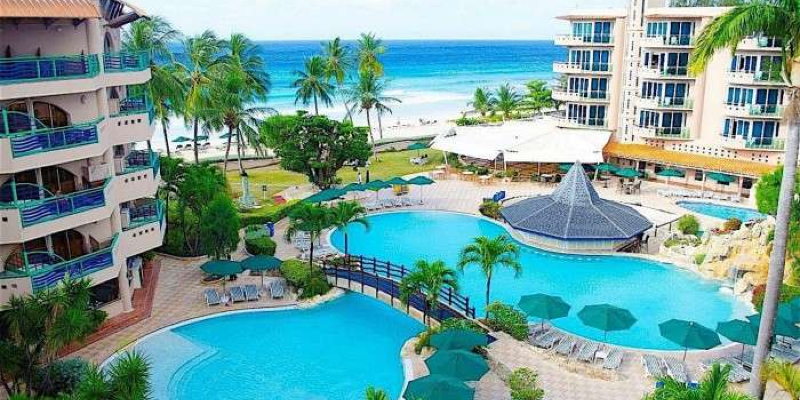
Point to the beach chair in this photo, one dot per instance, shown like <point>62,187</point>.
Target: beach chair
<point>738,373</point>
<point>676,369</point>
<point>251,292</point>
<point>237,294</point>
<point>614,359</point>
<point>566,346</point>
<point>407,202</point>
<point>548,340</point>
<point>588,352</point>
<point>652,366</point>
<point>212,297</point>
<point>276,289</point>
<point>179,147</point>
<point>535,330</point>
<point>785,353</point>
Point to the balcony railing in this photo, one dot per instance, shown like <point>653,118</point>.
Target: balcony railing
<point>580,94</point>
<point>138,160</point>
<point>749,77</point>
<point>125,62</point>
<point>569,66</point>
<point>136,105</point>
<point>761,143</point>
<point>36,211</point>
<point>568,122</point>
<point>584,39</point>
<point>682,103</point>
<point>670,40</point>
<point>32,69</point>
<point>145,214</point>
<point>666,133</point>
<point>47,270</point>
<point>667,72</point>
<point>36,139</point>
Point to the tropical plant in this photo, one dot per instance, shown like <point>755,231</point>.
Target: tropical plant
<point>428,279</point>
<point>38,326</point>
<point>779,19</point>
<point>488,254</point>
<point>370,48</point>
<point>219,227</point>
<point>345,214</point>
<point>375,394</point>
<point>524,385</point>
<point>338,61</point>
<point>127,378</point>
<point>785,375</point>
<point>203,53</point>
<point>688,224</point>
<point>367,93</point>
<point>198,183</point>
<point>313,83</point>
<point>508,100</point>
<point>713,386</point>
<point>311,219</point>
<point>171,171</point>
<point>539,96</point>
<point>505,318</point>
<point>483,100</point>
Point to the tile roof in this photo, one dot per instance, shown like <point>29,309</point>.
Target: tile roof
<point>49,9</point>
<point>643,152</point>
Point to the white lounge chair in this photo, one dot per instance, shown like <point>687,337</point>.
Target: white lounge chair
<point>676,369</point>
<point>614,359</point>
<point>652,366</point>
<point>212,297</point>
<point>548,340</point>
<point>588,351</point>
<point>276,289</point>
<point>251,292</point>
<point>237,294</point>
<point>566,346</point>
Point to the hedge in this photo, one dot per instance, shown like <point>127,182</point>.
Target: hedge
<point>253,218</point>
<point>301,277</point>
<point>506,318</point>
<point>258,242</point>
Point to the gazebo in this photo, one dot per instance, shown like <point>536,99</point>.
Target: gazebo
<point>575,218</point>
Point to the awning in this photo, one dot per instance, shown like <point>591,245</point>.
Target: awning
<point>643,152</point>
<point>484,142</point>
<point>48,9</point>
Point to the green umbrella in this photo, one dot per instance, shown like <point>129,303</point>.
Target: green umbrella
<point>261,263</point>
<point>605,167</point>
<point>354,187</point>
<point>790,311</point>
<point>397,181</point>
<point>377,185</point>
<point>627,173</point>
<point>202,137</point>
<point>181,139</point>
<point>544,306</point>
<point>438,387</point>
<point>458,339</point>
<point>671,172</point>
<point>223,268</point>
<point>565,167</point>
<point>739,331</point>
<point>720,177</point>
<point>417,146</point>
<point>421,180</point>
<point>225,136</point>
<point>606,317</point>
<point>689,334</point>
<point>460,364</point>
<point>783,327</point>
<point>325,195</point>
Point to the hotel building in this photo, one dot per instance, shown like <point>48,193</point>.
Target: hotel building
<point>77,179</point>
<point>627,72</point>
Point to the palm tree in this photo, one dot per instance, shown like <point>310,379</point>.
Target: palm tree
<point>539,96</point>
<point>714,386</point>
<point>482,101</point>
<point>309,218</point>
<point>781,20</point>
<point>171,170</point>
<point>153,35</point>
<point>508,99</point>
<point>313,83</point>
<point>785,375</point>
<point>370,47</point>
<point>367,94</point>
<point>381,106</point>
<point>128,378</point>
<point>489,253</point>
<point>375,394</point>
<point>346,213</point>
<point>203,53</point>
<point>428,279</point>
<point>338,61</point>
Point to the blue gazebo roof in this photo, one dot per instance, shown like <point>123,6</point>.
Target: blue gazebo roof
<point>574,211</point>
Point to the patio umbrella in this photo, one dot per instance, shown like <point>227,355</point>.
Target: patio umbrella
<point>397,181</point>
<point>783,327</point>
<point>181,139</point>
<point>689,334</point>
<point>458,339</point>
<point>671,172</point>
<point>261,263</point>
<point>606,167</point>
<point>225,136</point>
<point>720,177</point>
<point>202,137</point>
<point>544,306</point>
<point>739,331</point>
<point>223,268</point>
<point>438,387</point>
<point>564,167</point>
<point>421,181</point>
<point>354,187</point>
<point>790,310</point>
<point>376,186</point>
<point>460,364</point>
<point>417,146</point>
<point>627,173</point>
<point>607,318</point>
<point>325,195</point>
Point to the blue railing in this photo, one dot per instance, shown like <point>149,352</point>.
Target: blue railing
<point>32,69</point>
<point>36,211</point>
<point>123,62</point>
<point>145,214</point>
<point>38,141</point>
<point>46,270</point>
<point>138,160</point>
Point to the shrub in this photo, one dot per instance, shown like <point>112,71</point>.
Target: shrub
<point>257,241</point>
<point>688,224</point>
<point>308,283</point>
<point>61,376</point>
<point>505,318</point>
<point>523,385</point>
<point>788,293</point>
<point>699,258</point>
<point>424,338</point>
<point>254,217</point>
<point>490,209</point>
<point>467,121</point>
<point>687,241</point>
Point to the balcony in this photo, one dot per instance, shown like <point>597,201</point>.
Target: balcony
<point>755,144</point>
<point>761,111</point>
<point>36,211</point>
<point>587,96</point>
<point>587,40</point>
<point>125,62</point>
<point>142,227</point>
<point>664,73</point>
<point>668,41</point>
<point>37,69</point>
<point>28,137</point>
<point>138,160</point>
<point>756,78</point>
<point>137,175</point>
<point>567,67</point>
<point>666,103</point>
<point>661,133</point>
<point>760,43</point>
<point>147,213</point>
<point>582,123</point>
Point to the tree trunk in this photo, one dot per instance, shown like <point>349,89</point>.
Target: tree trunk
<point>316,108</point>
<point>777,259</point>
<point>239,146</point>
<point>349,113</point>
<point>371,136</point>
<point>311,256</point>
<point>380,126</point>
<point>488,289</point>
<point>194,140</point>
<point>227,150</point>
<point>166,137</point>
<point>346,252</point>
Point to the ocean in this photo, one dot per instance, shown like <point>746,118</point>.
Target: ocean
<point>433,79</point>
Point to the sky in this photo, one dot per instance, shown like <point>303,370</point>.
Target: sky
<point>390,19</point>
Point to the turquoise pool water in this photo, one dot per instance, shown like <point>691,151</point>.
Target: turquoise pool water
<point>654,292</point>
<point>721,211</point>
<point>331,352</point>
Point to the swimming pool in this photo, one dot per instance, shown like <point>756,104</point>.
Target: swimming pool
<point>653,292</point>
<point>333,351</point>
<point>721,211</point>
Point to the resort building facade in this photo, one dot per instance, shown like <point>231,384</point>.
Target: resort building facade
<point>77,178</point>
<point>627,71</point>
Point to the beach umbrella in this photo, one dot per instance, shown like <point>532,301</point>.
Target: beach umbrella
<point>181,139</point>
<point>790,310</point>
<point>397,181</point>
<point>225,136</point>
<point>417,146</point>
<point>460,364</point>
<point>627,173</point>
<point>325,195</point>
<point>671,172</point>
<point>720,177</point>
<point>606,167</point>
<point>261,263</point>
<point>223,268</point>
<point>544,306</point>
<point>739,331</point>
<point>564,167</point>
<point>354,187</point>
<point>376,186</point>
<point>202,138</point>
<point>421,181</point>
<point>438,387</point>
<point>606,317</point>
<point>783,327</point>
<point>458,339</point>
<point>689,335</point>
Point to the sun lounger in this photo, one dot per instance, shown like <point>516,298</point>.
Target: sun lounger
<point>276,289</point>
<point>587,353</point>
<point>738,373</point>
<point>548,340</point>
<point>237,294</point>
<point>566,346</point>
<point>652,366</point>
<point>535,330</point>
<point>251,292</point>
<point>785,353</point>
<point>614,359</point>
<point>407,201</point>
<point>676,369</point>
<point>212,297</point>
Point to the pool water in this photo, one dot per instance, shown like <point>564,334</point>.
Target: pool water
<point>653,292</point>
<point>330,352</point>
<point>721,211</point>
